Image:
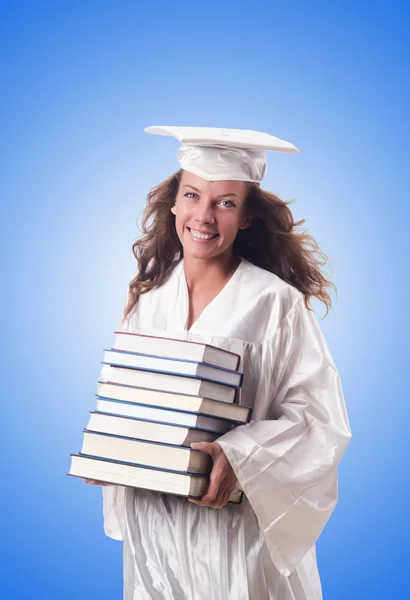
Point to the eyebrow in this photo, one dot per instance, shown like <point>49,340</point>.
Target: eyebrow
<point>221,196</point>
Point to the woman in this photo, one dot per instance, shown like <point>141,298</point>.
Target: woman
<point>221,262</point>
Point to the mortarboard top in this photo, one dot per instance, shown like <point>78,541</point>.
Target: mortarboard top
<point>223,154</point>
<point>231,138</point>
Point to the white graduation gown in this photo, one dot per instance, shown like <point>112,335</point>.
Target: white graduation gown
<point>285,459</point>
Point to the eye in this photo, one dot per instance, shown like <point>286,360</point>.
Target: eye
<point>190,194</point>
<point>227,203</point>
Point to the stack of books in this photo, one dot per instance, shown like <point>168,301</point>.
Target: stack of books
<point>157,396</point>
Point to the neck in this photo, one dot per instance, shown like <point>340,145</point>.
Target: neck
<point>200,273</point>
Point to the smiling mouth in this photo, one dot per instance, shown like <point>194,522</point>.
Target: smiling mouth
<point>197,235</point>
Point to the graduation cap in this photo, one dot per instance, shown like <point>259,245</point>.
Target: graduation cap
<point>223,154</point>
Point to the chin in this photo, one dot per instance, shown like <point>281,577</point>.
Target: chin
<point>197,253</point>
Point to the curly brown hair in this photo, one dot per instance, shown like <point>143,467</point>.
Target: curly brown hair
<point>270,242</point>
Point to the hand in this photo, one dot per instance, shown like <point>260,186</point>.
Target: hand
<point>93,482</point>
<point>222,478</point>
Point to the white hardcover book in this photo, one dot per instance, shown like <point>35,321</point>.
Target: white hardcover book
<point>163,415</point>
<point>174,367</point>
<point>167,383</point>
<point>118,473</point>
<point>148,430</point>
<point>151,454</point>
<point>178,349</point>
<point>178,402</point>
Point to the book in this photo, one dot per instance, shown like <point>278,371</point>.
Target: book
<point>117,473</point>
<point>163,415</point>
<point>175,367</point>
<point>178,349</point>
<point>169,383</point>
<point>177,402</point>
<point>176,435</point>
<point>151,454</point>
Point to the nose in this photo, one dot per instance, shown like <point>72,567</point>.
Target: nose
<point>204,214</point>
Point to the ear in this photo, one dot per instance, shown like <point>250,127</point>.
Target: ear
<point>247,222</point>
<point>173,209</point>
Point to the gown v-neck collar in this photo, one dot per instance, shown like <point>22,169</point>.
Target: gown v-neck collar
<point>212,304</point>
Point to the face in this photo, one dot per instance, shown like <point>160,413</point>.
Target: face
<point>209,215</point>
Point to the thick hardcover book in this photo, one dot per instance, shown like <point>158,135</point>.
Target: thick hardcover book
<point>181,484</point>
<point>149,454</point>
<point>148,430</point>
<point>177,402</point>
<point>168,383</point>
<point>162,415</point>
<point>185,368</point>
<point>178,349</point>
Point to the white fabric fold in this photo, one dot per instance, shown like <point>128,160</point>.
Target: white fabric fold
<point>294,454</point>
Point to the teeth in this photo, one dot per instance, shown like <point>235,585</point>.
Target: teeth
<point>201,236</point>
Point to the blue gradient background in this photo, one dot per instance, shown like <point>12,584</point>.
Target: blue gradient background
<point>80,81</point>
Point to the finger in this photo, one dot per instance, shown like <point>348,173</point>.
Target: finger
<point>207,447</point>
<point>206,500</point>
<point>225,499</point>
<point>94,482</point>
<point>217,503</point>
<point>222,500</point>
<point>213,489</point>
<point>219,500</point>
<point>213,495</point>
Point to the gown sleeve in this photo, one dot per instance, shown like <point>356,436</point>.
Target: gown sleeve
<point>287,464</point>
